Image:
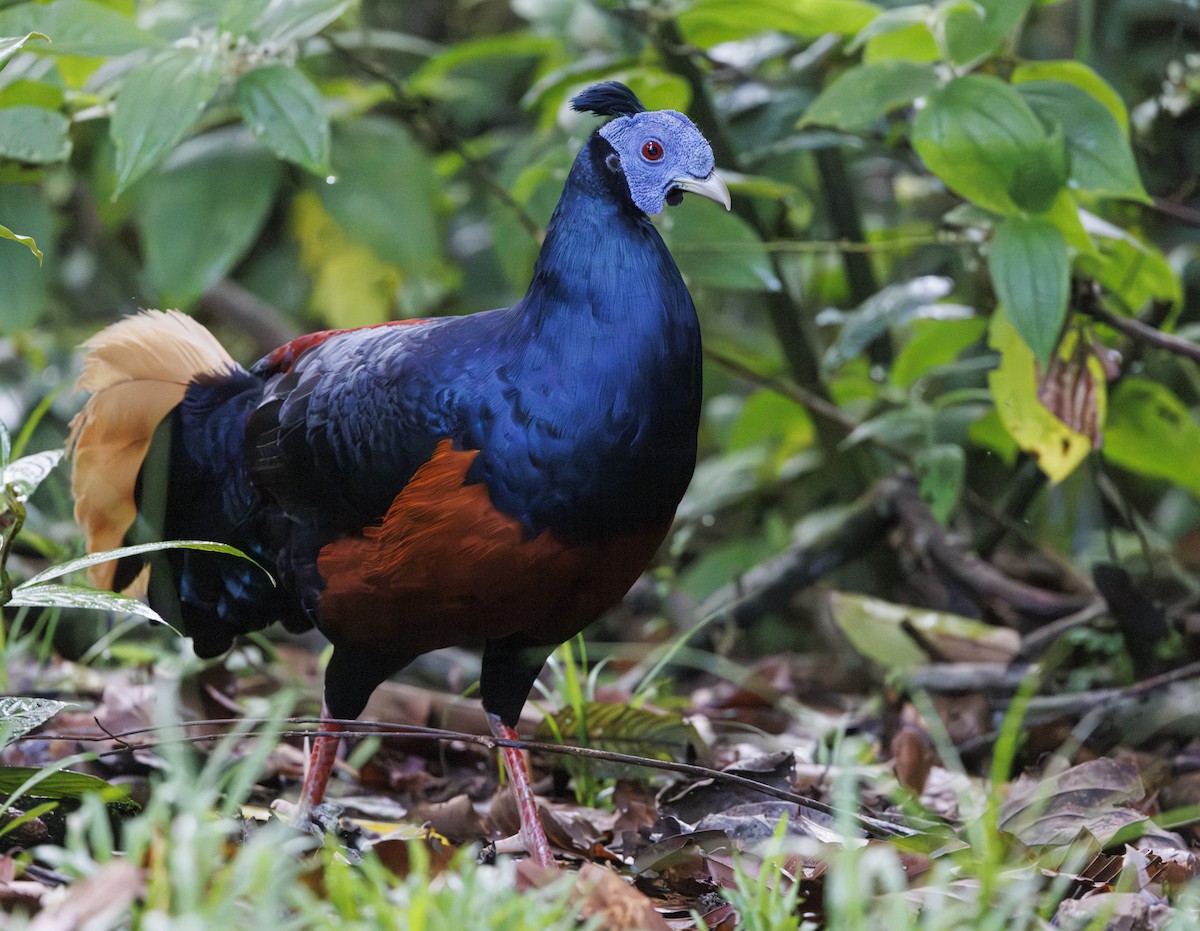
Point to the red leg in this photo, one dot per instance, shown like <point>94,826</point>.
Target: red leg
<point>533,835</point>
<point>319,768</point>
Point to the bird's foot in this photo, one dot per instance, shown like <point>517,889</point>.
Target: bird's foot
<point>533,835</point>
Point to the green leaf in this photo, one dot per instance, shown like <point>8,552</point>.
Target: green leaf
<point>1083,77</point>
<point>285,111</point>
<point>1056,448</point>
<point>34,135</point>
<point>864,93</point>
<point>29,471</point>
<point>92,559</point>
<point>10,46</point>
<point>286,21</point>
<point>201,212</point>
<point>367,258</point>
<point>1135,271</point>
<point>941,470</point>
<point>435,77</point>
<point>717,249</point>
<point>27,241</point>
<point>58,785</point>
<point>710,22</point>
<point>1031,272</point>
<point>974,29</point>
<point>1150,432</point>
<point>877,630</point>
<point>898,19</point>
<point>78,27</point>
<point>157,105</point>
<point>80,596</point>
<point>659,735</point>
<point>984,141</point>
<point>1101,161</point>
<point>24,282</point>
<point>932,344</point>
<point>19,716</point>
<point>895,305</point>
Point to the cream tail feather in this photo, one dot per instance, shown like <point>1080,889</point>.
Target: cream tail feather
<point>137,371</point>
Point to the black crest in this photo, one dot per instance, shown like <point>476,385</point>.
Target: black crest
<point>612,98</point>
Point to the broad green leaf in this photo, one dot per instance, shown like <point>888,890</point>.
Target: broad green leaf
<point>34,135</point>
<point>285,111</point>
<point>912,43</point>
<point>982,139</point>
<point>709,22</point>
<point>1101,161</point>
<point>877,630</point>
<point>1150,432</point>
<point>351,285</point>
<point>10,46</point>
<point>934,343</point>
<point>286,21</point>
<point>717,249</point>
<point>1031,272</point>
<point>27,241</point>
<point>29,471</point>
<point>52,784</point>
<point>29,93</point>
<point>864,93</point>
<point>24,282</point>
<point>895,305</point>
<point>92,559</point>
<point>974,29</point>
<point>897,19</point>
<point>768,417</point>
<point>158,104</point>
<point>1083,77</point>
<point>1066,214</point>
<point>436,76</point>
<point>202,210</point>
<point>19,715</point>
<point>1136,272</point>
<point>80,596</point>
<point>1055,447</point>
<point>78,27</point>
<point>941,470</point>
<point>402,228</point>
<point>372,256</point>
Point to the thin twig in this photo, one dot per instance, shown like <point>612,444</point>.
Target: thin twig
<point>1141,332</point>
<point>351,728</point>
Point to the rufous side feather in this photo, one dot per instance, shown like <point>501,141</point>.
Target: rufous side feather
<point>137,371</point>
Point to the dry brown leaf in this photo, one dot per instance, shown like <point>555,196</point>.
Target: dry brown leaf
<point>619,905</point>
<point>97,902</point>
<point>913,757</point>
<point>1112,911</point>
<point>1094,797</point>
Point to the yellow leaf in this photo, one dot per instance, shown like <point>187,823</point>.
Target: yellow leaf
<point>1056,447</point>
<point>352,286</point>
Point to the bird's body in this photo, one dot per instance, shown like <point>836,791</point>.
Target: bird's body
<point>497,479</point>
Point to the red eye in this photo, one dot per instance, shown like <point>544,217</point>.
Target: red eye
<point>652,151</point>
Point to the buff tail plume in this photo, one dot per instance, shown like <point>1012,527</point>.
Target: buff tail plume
<point>137,371</point>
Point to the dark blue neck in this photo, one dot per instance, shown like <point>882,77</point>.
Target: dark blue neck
<point>598,435</point>
<point>602,254</point>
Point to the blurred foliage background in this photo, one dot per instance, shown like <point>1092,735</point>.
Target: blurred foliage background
<point>959,231</point>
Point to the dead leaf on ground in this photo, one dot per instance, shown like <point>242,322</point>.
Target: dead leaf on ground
<point>1094,797</point>
<point>619,905</point>
<point>94,903</point>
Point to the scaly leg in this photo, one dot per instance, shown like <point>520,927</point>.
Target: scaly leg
<point>318,770</point>
<point>533,835</point>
